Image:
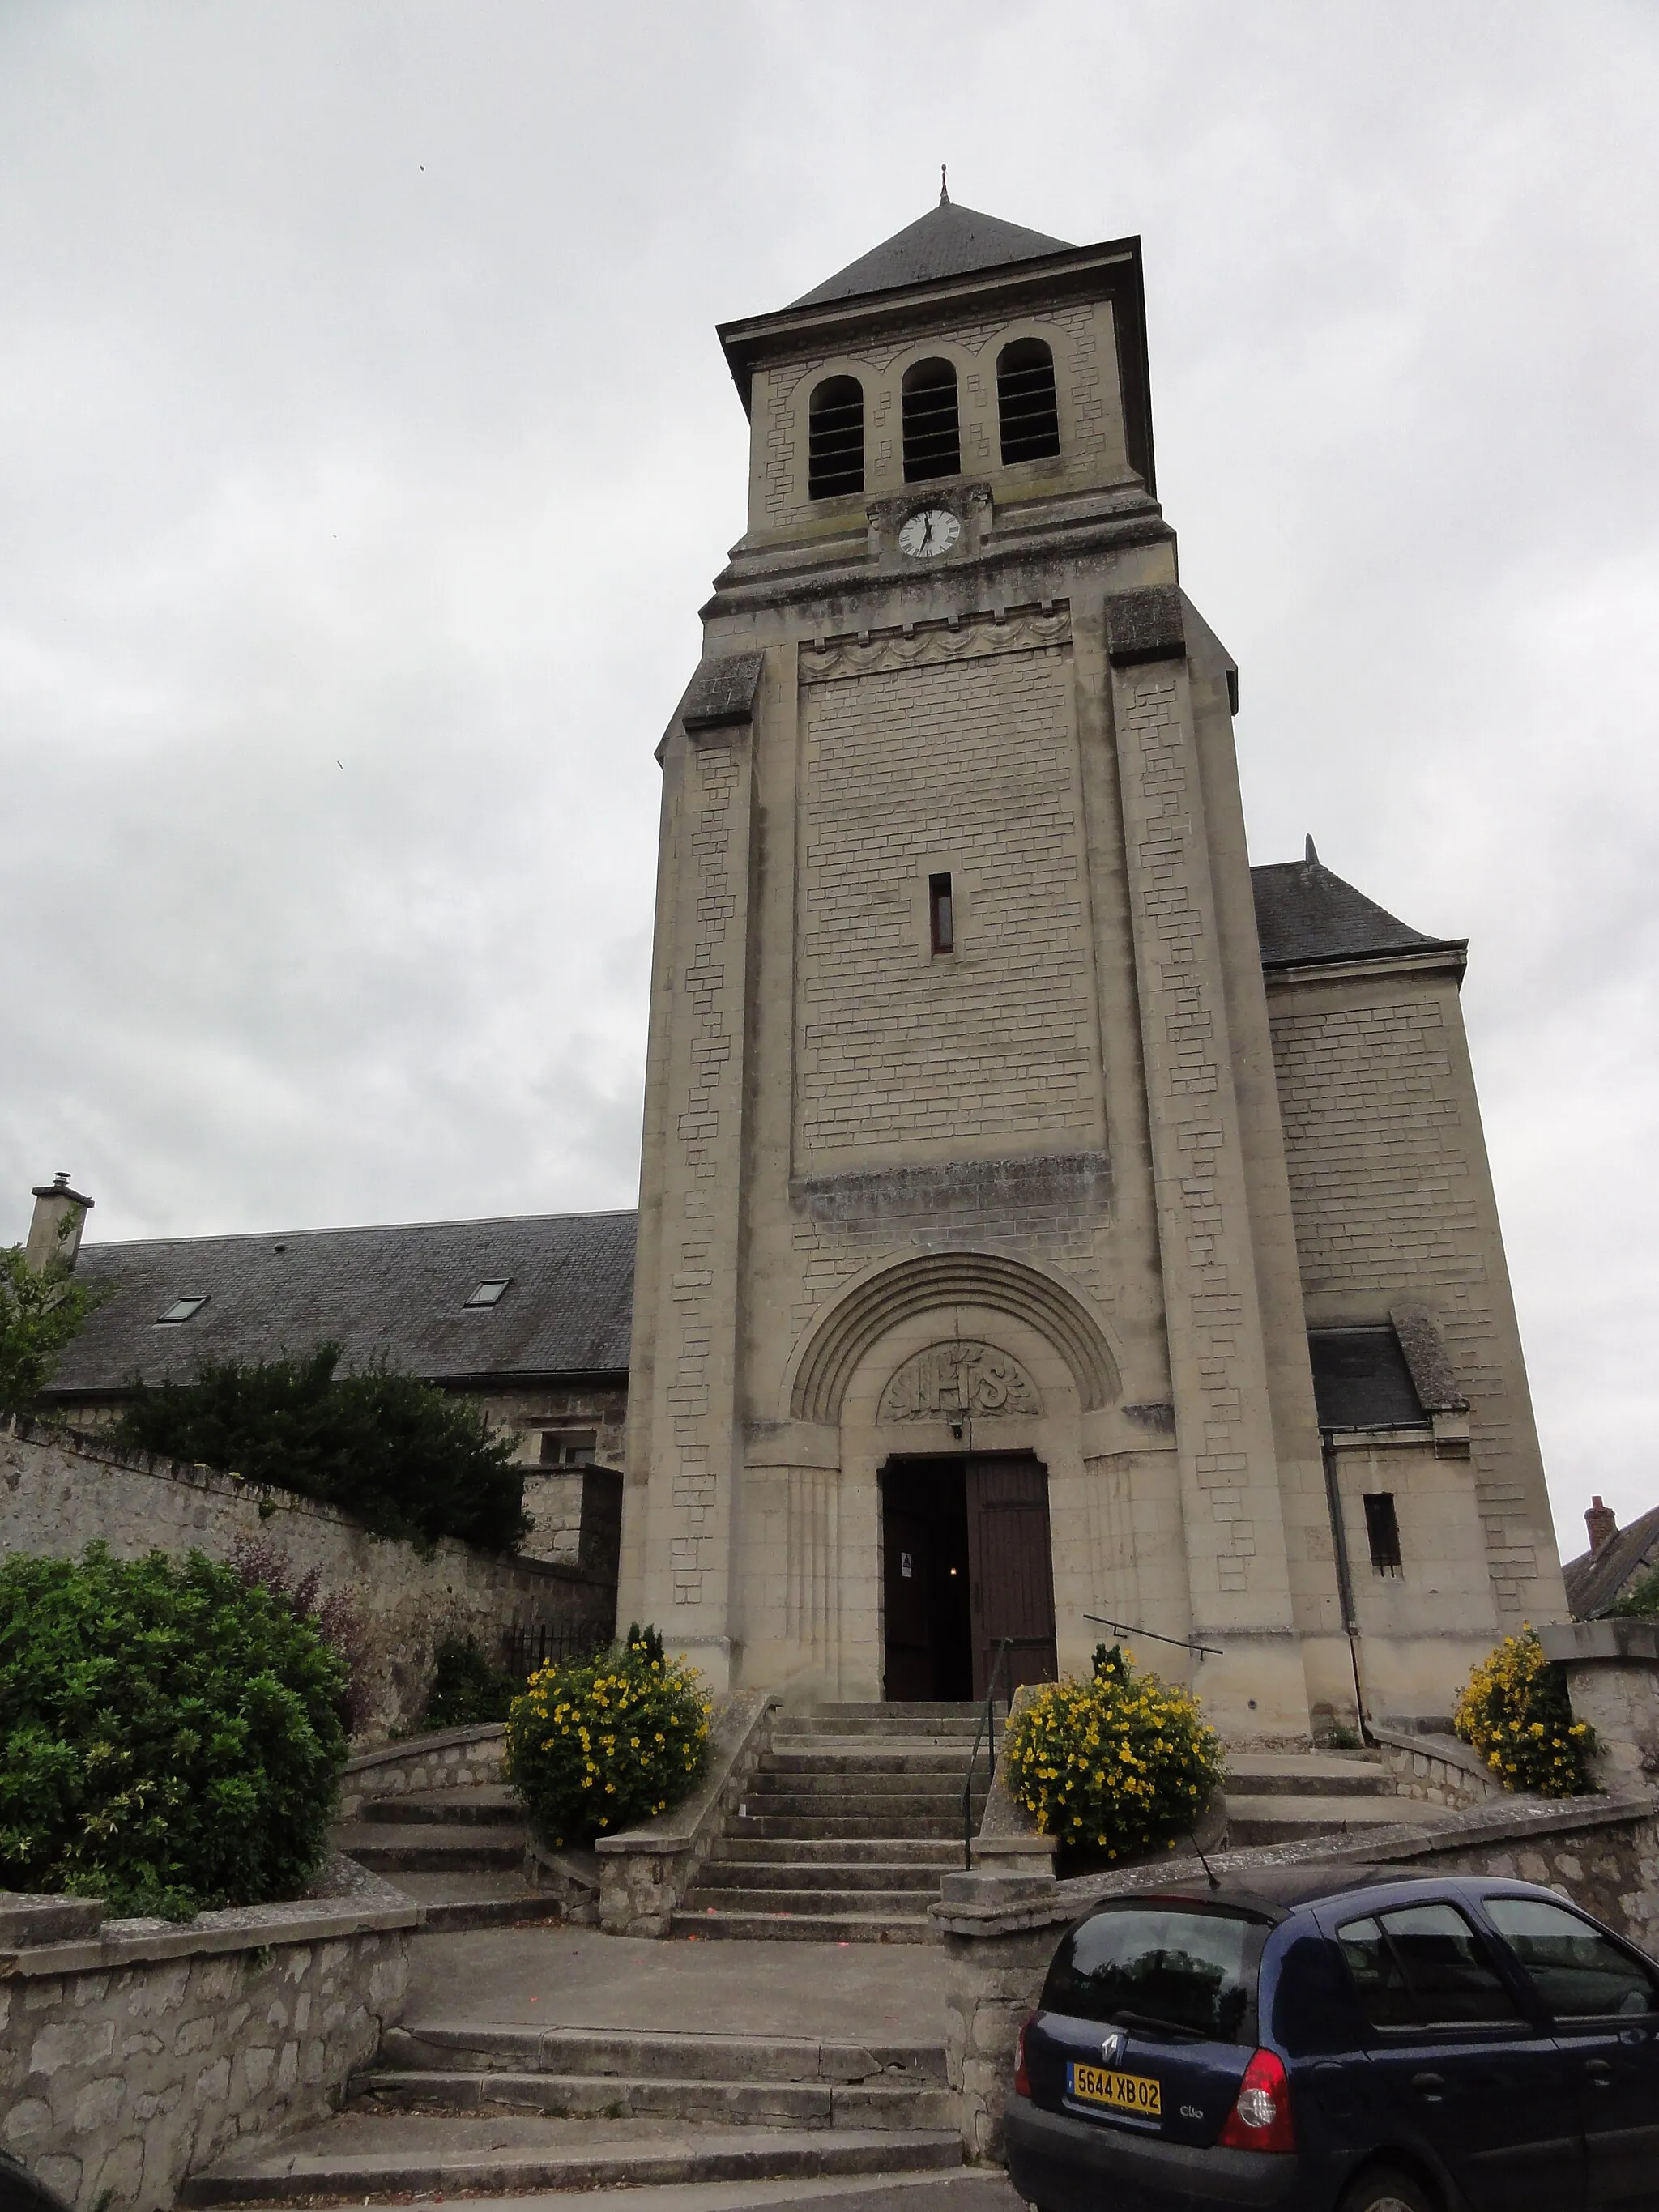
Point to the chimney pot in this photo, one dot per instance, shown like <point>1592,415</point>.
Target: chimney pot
<point>60,1215</point>
<point>1599,1520</point>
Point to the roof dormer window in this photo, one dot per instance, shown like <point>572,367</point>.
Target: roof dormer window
<point>1026,406</point>
<point>182,1310</point>
<point>490,1293</point>
<point>932,440</point>
<point>835,439</point>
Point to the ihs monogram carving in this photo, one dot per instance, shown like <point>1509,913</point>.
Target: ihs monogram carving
<point>963,1378</point>
<point>972,641</point>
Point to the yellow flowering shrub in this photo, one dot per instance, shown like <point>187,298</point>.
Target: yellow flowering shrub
<point>1515,1713</point>
<point>1121,1763</point>
<point>594,1745</point>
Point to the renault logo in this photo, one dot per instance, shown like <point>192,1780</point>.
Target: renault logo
<point>1112,2049</point>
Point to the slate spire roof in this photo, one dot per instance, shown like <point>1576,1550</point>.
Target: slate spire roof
<point>1305,913</point>
<point>949,241</point>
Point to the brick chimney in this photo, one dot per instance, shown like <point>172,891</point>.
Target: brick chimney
<point>60,1214</point>
<point>1600,1523</point>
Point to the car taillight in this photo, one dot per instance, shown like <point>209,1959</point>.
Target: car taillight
<point>1261,2117</point>
<point>1021,2079</point>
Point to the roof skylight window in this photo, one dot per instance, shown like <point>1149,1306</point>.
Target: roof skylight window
<point>489,1293</point>
<point>183,1309</point>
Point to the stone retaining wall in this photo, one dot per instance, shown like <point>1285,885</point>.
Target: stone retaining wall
<point>1438,1770</point>
<point>133,2053</point>
<point>448,1758</point>
<point>1000,1931</point>
<point>60,1490</point>
<point>645,1872</point>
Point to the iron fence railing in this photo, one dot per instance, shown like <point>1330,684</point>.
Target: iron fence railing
<point>525,1650</point>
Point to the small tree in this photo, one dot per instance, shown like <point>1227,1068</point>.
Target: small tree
<point>39,1314</point>
<point>170,1738</point>
<point>401,1457</point>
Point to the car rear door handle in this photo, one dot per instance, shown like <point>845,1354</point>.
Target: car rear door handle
<point>1599,2072</point>
<point>1432,2086</point>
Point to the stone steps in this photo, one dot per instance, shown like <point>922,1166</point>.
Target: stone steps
<point>940,1853</point>
<point>460,1853</point>
<point>848,1823</point>
<point>354,2156</point>
<point>471,2047</point>
<point>468,1847</point>
<point>793,1874</point>
<point>485,1803</point>
<point>735,2104</point>
<point>1308,1774</point>
<point>711,1923</point>
<point>1252,1820</point>
<point>891,1826</point>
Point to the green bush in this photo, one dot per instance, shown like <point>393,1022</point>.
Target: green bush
<point>1121,1763</point>
<point>170,1738</point>
<point>39,1314</point>
<point>1640,1602</point>
<point>1515,1713</point>
<point>467,1690</point>
<point>404,1458</point>
<point>594,1745</point>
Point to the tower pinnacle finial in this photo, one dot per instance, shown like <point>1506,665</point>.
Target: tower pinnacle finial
<point>944,189</point>
<point>1311,854</point>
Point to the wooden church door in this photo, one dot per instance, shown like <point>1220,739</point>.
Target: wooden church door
<point>1011,1569</point>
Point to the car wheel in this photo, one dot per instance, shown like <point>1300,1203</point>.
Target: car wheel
<point>1383,2190</point>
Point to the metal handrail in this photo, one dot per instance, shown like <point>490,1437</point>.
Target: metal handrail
<point>987,1720</point>
<point>1124,1628</point>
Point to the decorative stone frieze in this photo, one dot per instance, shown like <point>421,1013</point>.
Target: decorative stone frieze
<point>961,1378</point>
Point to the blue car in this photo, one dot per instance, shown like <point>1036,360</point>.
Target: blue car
<point>1324,2039</point>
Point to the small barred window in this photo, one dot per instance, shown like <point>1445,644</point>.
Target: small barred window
<point>1026,405</point>
<point>933,442</point>
<point>835,439</point>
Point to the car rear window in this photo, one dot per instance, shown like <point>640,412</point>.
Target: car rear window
<point>1421,1965</point>
<point>1194,1972</point>
<point>1580,1974</point>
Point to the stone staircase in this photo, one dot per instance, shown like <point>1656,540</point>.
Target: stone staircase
<point>458,1852</point>
<point>851,1819</point>
<point>1286,1798</point>
<point>459,2109</point>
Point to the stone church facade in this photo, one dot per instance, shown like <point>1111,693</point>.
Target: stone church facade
<point>1049,1224</point>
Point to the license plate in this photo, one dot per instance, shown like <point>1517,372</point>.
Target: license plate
<point>1117,2092</point>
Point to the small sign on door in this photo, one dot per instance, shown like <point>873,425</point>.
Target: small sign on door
<point>904,1566</point>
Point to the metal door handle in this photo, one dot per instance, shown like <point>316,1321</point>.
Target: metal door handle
<point>1432,2086</point>
<point>1599,2071</point>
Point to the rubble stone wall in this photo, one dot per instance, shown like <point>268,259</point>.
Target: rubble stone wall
<point>60,1490</point>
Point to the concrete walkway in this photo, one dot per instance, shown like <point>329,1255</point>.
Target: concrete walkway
<point>563,1977</point>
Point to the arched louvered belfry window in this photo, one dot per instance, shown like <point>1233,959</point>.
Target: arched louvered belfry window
<point>1026,405</point>
<point>933,441</point>
<point>835,439</point>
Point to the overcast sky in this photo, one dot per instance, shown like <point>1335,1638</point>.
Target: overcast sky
<point>368,452</point>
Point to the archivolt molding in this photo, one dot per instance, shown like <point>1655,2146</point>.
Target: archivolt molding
<point>866,1313</point>
<point>970,640</point>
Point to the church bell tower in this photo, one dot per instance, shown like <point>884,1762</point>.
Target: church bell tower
<point>968,1315</point>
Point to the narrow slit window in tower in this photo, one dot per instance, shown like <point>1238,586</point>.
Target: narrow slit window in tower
<point>1026,406</point>
<point>835,439</point>
<point>1382,1528</point>
<point>941,914</point>
<point>932,443</point>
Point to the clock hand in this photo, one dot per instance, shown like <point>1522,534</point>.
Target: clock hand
<point>927,531</point>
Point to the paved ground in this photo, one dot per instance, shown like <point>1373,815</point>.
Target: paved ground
<point>561,1977</point>
<point>962,2191</point>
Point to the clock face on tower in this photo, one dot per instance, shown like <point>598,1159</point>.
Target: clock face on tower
<point>928,533</point>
